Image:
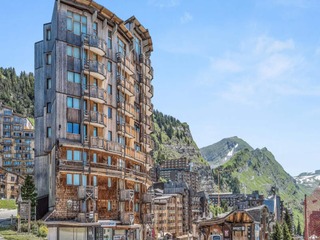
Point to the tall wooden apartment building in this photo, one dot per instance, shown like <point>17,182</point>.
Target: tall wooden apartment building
<point>16,151</point>
<point>93,114</point>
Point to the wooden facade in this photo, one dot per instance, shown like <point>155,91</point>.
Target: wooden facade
<point>93,146</point>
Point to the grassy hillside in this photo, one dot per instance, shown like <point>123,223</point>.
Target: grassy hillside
<point>17,91</point>
<point>258,170</point>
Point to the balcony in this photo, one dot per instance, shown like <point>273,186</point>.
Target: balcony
<point>148,218</point>
<point>97,142</point>
<point>67,165</point>
<point>126,195</point>
<point>127,108</point>
<point>94,44</point>
<point>113,147</point>
<point>126,129</point>
<point>127,218</point>
<point>95,93</point>
<point>95,118</point>
<point>124,85</point>
<point>87,192</point>
<point>88,217</point>
<point>95,69</point>
<point>147,198</point>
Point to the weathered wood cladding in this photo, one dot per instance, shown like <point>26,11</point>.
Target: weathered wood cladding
<point>100,115</point>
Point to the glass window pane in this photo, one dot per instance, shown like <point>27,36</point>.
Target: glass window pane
<point>69,127</point>
<point>76,128</point>
<point>94,180</point>
<point>83,19</point>
<point>76,17</point>
<point>76,155</point>
<point>69,155</point>
<point>76,52</point>
<point>69,51</point>
<point>76,77</point>
<point>69,179</point>
<point>69,102</point>
<point>70,76</point>
<point>84,28</point>
<point>76,179</point>
<point>69,24</point>
<point>84,180</point>
<point>76,103</point>
<point>76,28</point>
<point>69,14</point>
<point>94,158</point>
<point>84,157</point>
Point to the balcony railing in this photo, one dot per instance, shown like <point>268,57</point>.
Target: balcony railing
<point>127,218</point>
<point>95,117</point>
<point>126,194</point>
<point>95,92</point>
<point>96,68</point>
<point>88,192</point>
<point>128,108</point>
<point>127,85</point>
<point>97,142</point>
<point>96,44</point>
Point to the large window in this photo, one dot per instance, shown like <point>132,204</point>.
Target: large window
<point>73,179</point>
<point>121,47</point>
<point>73,51</point>
<point>73,128</point>
<point>73,102</point>
<point>137,45</point>
<point>76,23</point>
<point>73,77</point>
<point>109,42</point>
<point>73,155</point>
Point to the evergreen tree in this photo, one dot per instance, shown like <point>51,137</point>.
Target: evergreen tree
<point>277,233</point>
<point>286,232</point>
<point>288,220</point>
<point>299,232</point>
<point>28,192</point>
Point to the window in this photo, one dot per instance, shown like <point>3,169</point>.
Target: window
<point>84,157</point>
<point>73,77</point>
<point>109,42</point>
<point>95,132</point>
<point>76,155</point>
<point>121,163</point>
<point>95,107</point>
<point>73,102</point>
<point>48,132</point>
<point>73,128</point>
<point>109,205</point>
<point>73,52</point>
<point>121,140</point>
<point>136,207</point>
<point>48,58</point>
<point>84,82</point>
<point>69,155</point>
<point>109,89</point>
<point>48,34</point>
<point>85,134</point>
<point>94,180</point>
<point>109,66</point>
<point>109,160</point>
<point>49,83</point>
<point>95,28</point>
<point>137,147</point>
<point>109,136</point>
<point>48,107</point>
<point>121,47</point>
<point>137,45</point>
<point>109,112</point>
<point>73,179</point>
<point>94,157</point>
<point>109,182</point>
<point>76,23</point>
<point>137,187</point>
<point>84,180</point>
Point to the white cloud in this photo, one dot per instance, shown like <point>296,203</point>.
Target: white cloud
<point>187,17</point>
<point>260,71</point>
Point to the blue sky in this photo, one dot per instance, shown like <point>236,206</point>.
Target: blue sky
<point>229,68</point>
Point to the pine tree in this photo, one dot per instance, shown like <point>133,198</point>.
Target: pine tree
<point>299,232</point>
<point>288,220</point>
<point>28,192</point>
<point>286,232</point>
<point>277,233</point>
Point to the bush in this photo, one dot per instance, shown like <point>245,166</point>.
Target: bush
<point>43,231</point>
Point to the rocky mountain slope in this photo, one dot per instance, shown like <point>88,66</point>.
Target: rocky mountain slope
<point>221,152</point>
<point>250,170</point>
<point>173,140</point>
<point>309,180</point>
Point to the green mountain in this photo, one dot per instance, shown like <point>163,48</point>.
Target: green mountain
<point>250,170</point>
<point>17,91</point>
<point>221,152</point>
<point>173,140</point>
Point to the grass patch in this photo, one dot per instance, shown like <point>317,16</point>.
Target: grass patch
<point>8,204</point>
<point>13,235</point>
